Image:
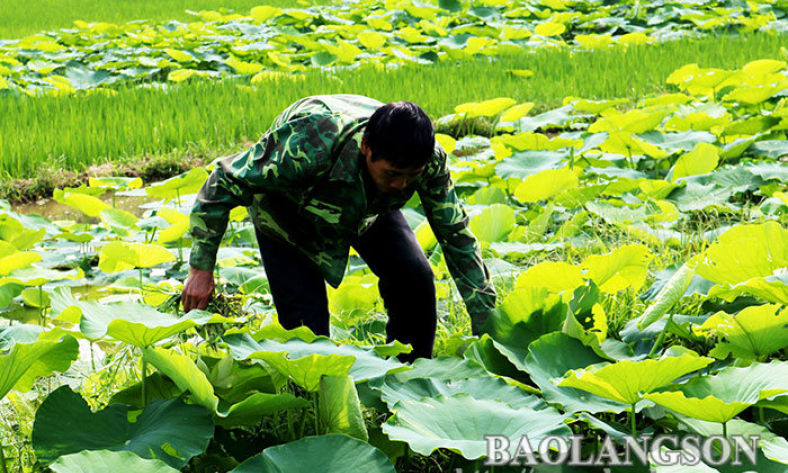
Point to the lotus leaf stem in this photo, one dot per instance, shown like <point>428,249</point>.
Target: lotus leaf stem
<point>144,381</point>
<point>2,460</point>
<point>632,421</point>
<point>725,429</point>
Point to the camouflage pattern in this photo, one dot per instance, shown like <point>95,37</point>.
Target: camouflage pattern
<point>306,184</point>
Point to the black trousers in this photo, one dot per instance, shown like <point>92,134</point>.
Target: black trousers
<point>406,283</point>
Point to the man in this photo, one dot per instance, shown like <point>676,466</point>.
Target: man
<point>332,172</point>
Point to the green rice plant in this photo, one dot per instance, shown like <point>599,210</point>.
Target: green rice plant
<point>74,132</point>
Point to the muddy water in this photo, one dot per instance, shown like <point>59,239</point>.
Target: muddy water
<point>53,210</point>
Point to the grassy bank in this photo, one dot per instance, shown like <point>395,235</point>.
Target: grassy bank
<point>48,15</point>
<point>75,132</point>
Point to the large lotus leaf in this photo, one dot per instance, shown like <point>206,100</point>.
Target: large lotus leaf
<point>771,289</point>
<point>340,410</point>
<point>460,423</point>
<point>719,398</point>
<point>624,267</point>
<point>627,381</point>
<point>328,453</point>
<point>87,204</point>
<point>556,117</point>
<point>769,170</point>
<point>11,259</point>
<point>527,163</point>
<point>117,256</point>
<point>493,223</point>
<point>482,388</point>
<point>18,333</point>
<point>773,449</point>
<point>307,370</point>
<point>744,252</point>
<point>697,196</point>
<point>171,430</point>
<point>485,353</point>
<point>682,141</point>
<point>25,362</point>
<point>525,315</point>
<point>138,324</point>
<point>551,356</point>
<point>119,221</point>
<point>442,367</point>
<point>556,276</point>
<point>184,373</point>
<point>670,294</point>
<point>249,411</point>
<point>546,184</point>
<point>701,160</point>
<point>102,461</point>
<point>634,121</point>
<point>487,108</point>
<point>35,276</point>
<point>753,333</point>
<point>187,183</point>
<point>367,363</point>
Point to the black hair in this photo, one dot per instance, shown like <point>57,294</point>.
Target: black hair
<point>402,134</point>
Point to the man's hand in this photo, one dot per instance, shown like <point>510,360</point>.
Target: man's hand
<point>198,290</point>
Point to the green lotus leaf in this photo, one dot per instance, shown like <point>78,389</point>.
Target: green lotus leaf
<point>525,315</point>
<point>87,204</point>
<point>182,370</point>
<point>522,164</point>
<point>769,170</point>
<point>460,423</point>
<point>117,256</point>
<point>546,184</point>
<point>721,397</point>
<point>493,223</point>
<point>754,333</point>
<point>35,297</point>
<point>771,149</point>
<point>11,259</point>
<point>701,160</point>
<point>697,196</point>
<point>25,362</point>
<point>333,452</point>
<point>119,221</point>
<point>366,365</point>
<point>481,388</point>
<point>554,354</point>
<point>187,183</point>
<point>744,252</point>
<point>35,276</point>
<point>19,333</point>
<point>442,367</point>
<point>306,371</point>
<point>682,141</point>
<point>627,381</point>
<point>138,324</point>
<point>115,182</point>
<point>249,411</point>
<point>486,354</point>
<point>624,267</point>
<point>670,294</point>
<point>101,461</point>
<point>340,410</point>
<point>171,430</point>
<point>487,108</point>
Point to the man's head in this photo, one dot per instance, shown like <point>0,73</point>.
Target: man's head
<point>397,143</point>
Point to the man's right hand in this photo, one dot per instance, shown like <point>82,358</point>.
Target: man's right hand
<point>198,289</point>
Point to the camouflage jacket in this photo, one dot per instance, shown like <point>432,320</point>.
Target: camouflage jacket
<point>305,182</point>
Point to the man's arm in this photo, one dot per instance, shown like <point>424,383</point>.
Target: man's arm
<point>462,252</point>
<point>286,158</point>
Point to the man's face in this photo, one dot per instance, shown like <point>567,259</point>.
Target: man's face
<point>386,177</point>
